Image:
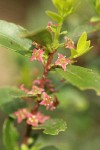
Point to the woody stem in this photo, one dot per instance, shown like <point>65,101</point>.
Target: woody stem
<point>42,84</point>
<point>46,69</point>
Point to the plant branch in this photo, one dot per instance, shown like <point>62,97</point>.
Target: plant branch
<point>42,84</point>
<point>47,68</point>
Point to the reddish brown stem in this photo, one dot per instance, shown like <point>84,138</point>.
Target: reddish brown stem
<point>46,69</point>
<point>28,127</point>
<point>42,84</point>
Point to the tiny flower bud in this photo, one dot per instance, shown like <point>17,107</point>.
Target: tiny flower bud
<point>38,46</point>
<point>22,87</point>
<point>36,82</point>
<point>69,43</point>
<point>51,27</point>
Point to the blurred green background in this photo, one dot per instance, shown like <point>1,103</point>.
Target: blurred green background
<point>80,109</point>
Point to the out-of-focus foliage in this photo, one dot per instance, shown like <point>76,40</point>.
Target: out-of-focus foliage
<point>10,135</point>
<point>83,124</point>
<point>11,37</point>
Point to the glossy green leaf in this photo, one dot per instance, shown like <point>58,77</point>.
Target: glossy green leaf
<point>52,126</point>
<point>54,16</point>
<point>10,136</point>
<point>82,78</point>
<point>83,46</point>
<point>10,99</point>
<point>42,37</point>
<point>49,148</point>
<point>12,37</point>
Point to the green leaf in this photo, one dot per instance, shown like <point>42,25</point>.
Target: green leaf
<point>24,147</point>
<point>10,136</point>
<point>77,99</point>
<point>57,4</point>
<point>95,19</point>
<point>42,37</point>
<point>12,37</point>
<point>82,78</point>
<point>98,6</point>
<point>83,46</point>
<point>54,16</point>
<point>49,148</point>
<point>52,126</point>
<point>68,12</point>
<point>64,7</point>
<point>80,29</point>
<point>81,41</point>
<point>10,99</point>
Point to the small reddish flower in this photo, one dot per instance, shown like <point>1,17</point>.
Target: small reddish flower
<point>47,100</point>
<point>36,82</point>
<point>21,114</point>
<point>32,120</point>
<point>37,118</point>
<point>36,90</point>
<point>62,61</point>
<point>42,118</point>
<point>38,46</point>
<point>52,107</point>
<point>22,87</point>
<point>51,25</point>
<point>69,43</point>
<point>37,55</point>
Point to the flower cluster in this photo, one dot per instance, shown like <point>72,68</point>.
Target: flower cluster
<point>40,95</point>
<point>41,87</point>
<point>31,119</point>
